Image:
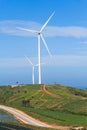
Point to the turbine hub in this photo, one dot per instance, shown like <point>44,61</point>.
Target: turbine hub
<point>39,33</point>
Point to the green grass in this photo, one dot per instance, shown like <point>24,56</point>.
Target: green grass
<point>69,107</point>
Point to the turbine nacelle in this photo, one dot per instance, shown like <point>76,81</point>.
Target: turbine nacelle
<point>39,33</point>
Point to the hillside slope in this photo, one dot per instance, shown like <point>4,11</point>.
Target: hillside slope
<point>55,104</point>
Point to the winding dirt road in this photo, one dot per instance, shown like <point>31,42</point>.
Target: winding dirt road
<point>23,117</point>
<point>49,93</point>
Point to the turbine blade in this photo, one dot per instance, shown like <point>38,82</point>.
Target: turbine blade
<point>29,60</point>
<point>45,44</point>
<point>28,30</point>
<point>46,22</point>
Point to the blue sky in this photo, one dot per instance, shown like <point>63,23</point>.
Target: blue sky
<point>65,34</point>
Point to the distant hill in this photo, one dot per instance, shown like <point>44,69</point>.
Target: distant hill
<point>55,104</point>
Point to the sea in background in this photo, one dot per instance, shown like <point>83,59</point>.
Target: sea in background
<point>6,117</point>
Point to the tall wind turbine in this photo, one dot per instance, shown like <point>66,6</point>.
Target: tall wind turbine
<point>33,66</point>
<point>39,34</point>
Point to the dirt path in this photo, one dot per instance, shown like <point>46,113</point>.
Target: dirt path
<point>49,93</point>
<point>23,117</point>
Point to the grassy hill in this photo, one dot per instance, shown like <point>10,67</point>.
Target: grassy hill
<point>55,104</point>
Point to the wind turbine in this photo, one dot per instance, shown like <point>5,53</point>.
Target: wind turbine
<point>39,34</point>
<point>33,66</point>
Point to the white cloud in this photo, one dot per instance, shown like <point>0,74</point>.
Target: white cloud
<point>61,60</point>
<point>66,60</point>
<point>12,62</point>
<point>83,42</point>
<point>9,27</point>
<point>69,31</point>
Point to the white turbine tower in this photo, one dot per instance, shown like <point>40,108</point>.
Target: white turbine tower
<point>33,66</point>
<point>39,34</point>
